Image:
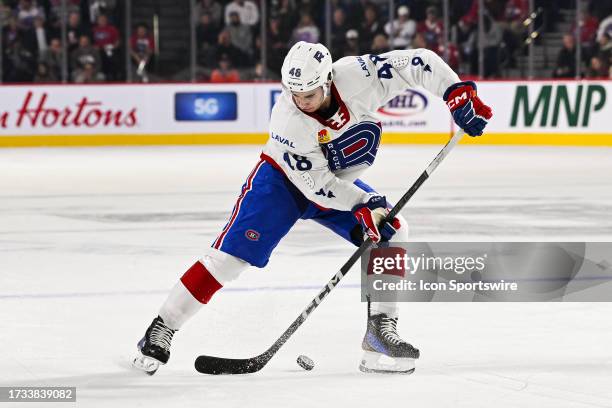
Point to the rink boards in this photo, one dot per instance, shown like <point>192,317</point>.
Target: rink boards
<point>525,112</point>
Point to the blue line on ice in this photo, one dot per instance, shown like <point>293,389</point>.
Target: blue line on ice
<point>158,292</point>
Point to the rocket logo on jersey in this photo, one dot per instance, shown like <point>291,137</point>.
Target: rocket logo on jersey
<point>323,136</point>
<point>358,145</point>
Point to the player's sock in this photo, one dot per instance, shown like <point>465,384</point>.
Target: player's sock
<point>388,308</point>
<point>180,306</point>
<point>195,288</point>
<point>186,298</point>
<point>200,282</point>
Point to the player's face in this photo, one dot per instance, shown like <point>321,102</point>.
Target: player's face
<point>309,101</point>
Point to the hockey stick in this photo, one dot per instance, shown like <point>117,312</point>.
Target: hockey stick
<point>219,365</point>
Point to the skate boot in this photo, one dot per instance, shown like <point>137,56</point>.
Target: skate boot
<point>384,351</point>
<point>154,347</point>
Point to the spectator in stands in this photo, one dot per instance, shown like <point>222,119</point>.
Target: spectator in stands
<point>5,14</point>
<point>380,44</point>
<point>287,16</point>
<point>44,74</point>
<point>470,17</point>
<point>431,28</point>
<point>566,60</point>
<point>605,27</point>
<point>224,72</point>
<point>52,58</point>
<point>314,8</point>
<point>89,74</point>
<point>213,9</point>
<point>248,11</point>
<point>10,33</point>
<point>277,45</point>
<point>306,30</point>
<point>452,56</point>
<point>85,54</point>
<point>352,44</point>
<point>257,74</point>
<point>207,33</point>
<point>419,41</point>
<point>339,27</point>
<point>514,30</point>
<point>370,27</point>
<point>226,48</point>
<point>13,32</point>
<point>40,34</point>
<point>72,6</point>
<point>74,30</point>
<point>465,37</point>
<point>587,32</point>
<point>604,48</point>
<point>493,35</point>
<point>99,7</point>
<point>598,68</point>
<point>27,11</point>
<point>106,38</point>
<point>516,12</point>
<point>240,34</point>
<point>20,63</point>
<point>142,49</point>
<point>402,30</point>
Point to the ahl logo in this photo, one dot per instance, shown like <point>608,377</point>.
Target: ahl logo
<point>409,103</point>
<point>252,235</point>
<point>323,136</point>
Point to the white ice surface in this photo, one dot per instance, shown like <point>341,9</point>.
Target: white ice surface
<point>92,239</point>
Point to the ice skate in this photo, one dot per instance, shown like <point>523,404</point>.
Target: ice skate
<point>154,347</point>
<point>384,349</point>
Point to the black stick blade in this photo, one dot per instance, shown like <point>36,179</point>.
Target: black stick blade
<point>218,365</point>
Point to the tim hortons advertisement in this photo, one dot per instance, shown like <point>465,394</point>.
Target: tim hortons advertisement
<point>166,109</point>
<point>52,110</point>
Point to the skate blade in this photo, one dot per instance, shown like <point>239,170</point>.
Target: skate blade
<point>373,362</point>
<point>146,364</point>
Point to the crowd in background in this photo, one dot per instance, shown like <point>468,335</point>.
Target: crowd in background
<point>595,34</point>
<point>229,42</point>
<point>32,41</point>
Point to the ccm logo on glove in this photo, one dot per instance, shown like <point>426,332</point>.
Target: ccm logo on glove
<point>468,111</point>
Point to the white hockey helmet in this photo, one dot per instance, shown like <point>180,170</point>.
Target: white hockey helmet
<point>307,66</point>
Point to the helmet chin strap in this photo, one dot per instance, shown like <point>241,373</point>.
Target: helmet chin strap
<point>326,90</point>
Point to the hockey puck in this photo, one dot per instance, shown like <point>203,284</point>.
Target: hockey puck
<point>305,362</point>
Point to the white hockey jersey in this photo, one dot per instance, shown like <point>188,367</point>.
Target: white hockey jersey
<point>323,157</point>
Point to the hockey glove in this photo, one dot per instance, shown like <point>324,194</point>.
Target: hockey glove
<point>371,216</point>
<point>468,111</point>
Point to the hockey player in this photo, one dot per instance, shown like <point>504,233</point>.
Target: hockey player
<point>323,134</point>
